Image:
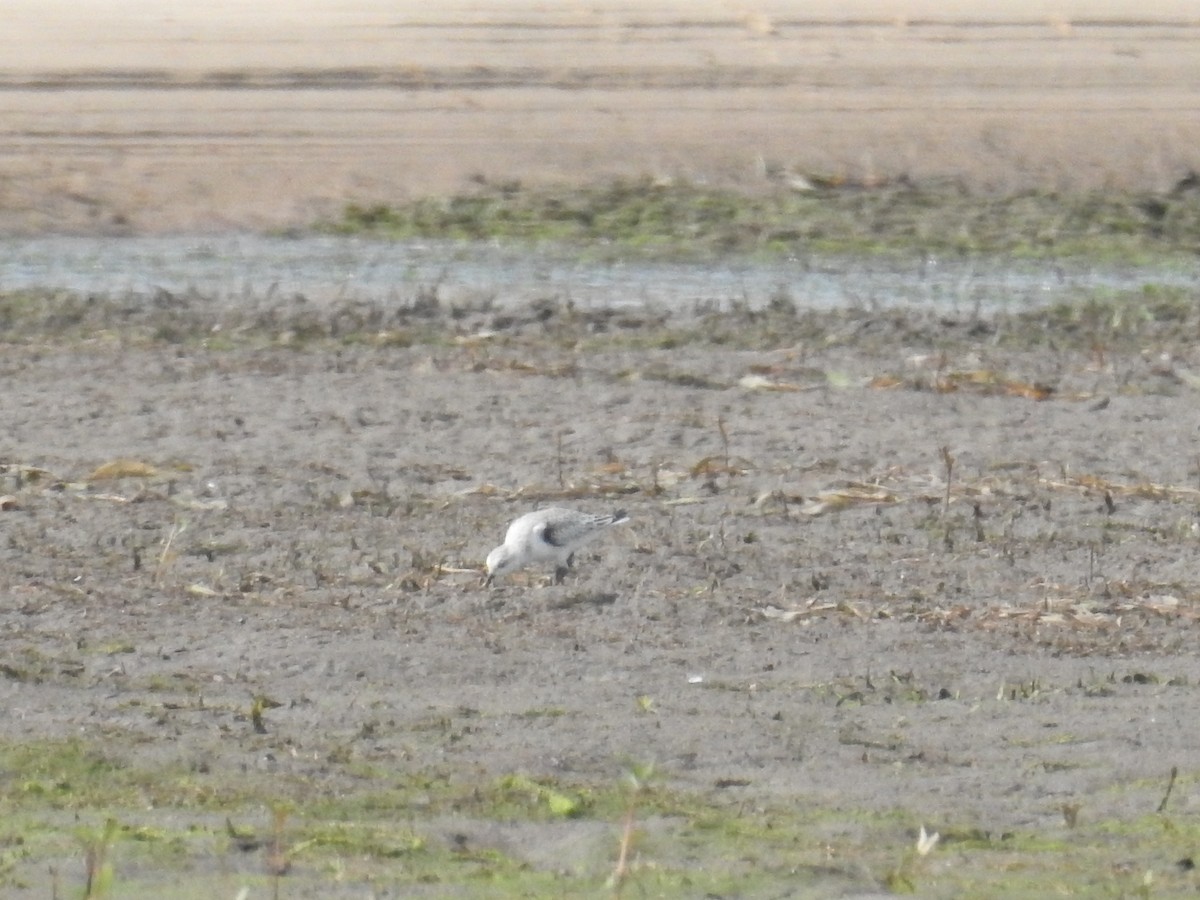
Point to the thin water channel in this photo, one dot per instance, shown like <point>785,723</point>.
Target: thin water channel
<point>233,270</point>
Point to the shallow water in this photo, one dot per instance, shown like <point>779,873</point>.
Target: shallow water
<point>244,268</point>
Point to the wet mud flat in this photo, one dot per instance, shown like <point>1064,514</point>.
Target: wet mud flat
<point>885,570</point>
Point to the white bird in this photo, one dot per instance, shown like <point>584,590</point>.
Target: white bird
<point>547,535</point>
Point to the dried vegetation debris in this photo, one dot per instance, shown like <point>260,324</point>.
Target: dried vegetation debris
<point>761,495</point>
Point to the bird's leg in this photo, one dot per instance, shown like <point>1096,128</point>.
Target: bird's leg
<point>561,572</point>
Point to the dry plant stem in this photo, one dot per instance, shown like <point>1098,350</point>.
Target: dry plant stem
<point>165,557</point>
<point>724,441</point>
<point>277,861</point>
<point>948,461</point>
<point>559,460</point>
<point>1162,807</point>
<point>94,861</point>
<point>621,871</point>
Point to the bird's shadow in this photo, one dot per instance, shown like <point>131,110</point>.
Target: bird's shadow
<point>585,598</point>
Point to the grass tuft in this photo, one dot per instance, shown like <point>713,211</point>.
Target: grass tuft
<point>684,220</point>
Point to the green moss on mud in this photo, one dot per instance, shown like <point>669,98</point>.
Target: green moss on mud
<point>177,834</point>
<point>685,220</point>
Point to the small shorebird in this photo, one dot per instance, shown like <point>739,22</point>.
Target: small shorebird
<point>547,535</point>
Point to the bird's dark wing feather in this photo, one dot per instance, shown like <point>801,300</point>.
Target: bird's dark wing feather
<point>553,535</point>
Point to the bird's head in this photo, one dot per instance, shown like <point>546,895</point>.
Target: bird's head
<point>499,561</point>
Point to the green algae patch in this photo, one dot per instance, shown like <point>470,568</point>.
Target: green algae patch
<point>678,219</point>
<point>134,829</point>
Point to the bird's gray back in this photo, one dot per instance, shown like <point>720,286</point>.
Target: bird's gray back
<point>565,527</point>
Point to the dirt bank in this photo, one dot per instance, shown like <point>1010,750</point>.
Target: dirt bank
<point>270,118</point>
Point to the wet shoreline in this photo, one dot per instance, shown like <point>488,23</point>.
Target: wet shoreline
<point>247,272</point>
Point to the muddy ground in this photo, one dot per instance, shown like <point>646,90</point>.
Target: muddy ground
<point>801,611</point>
